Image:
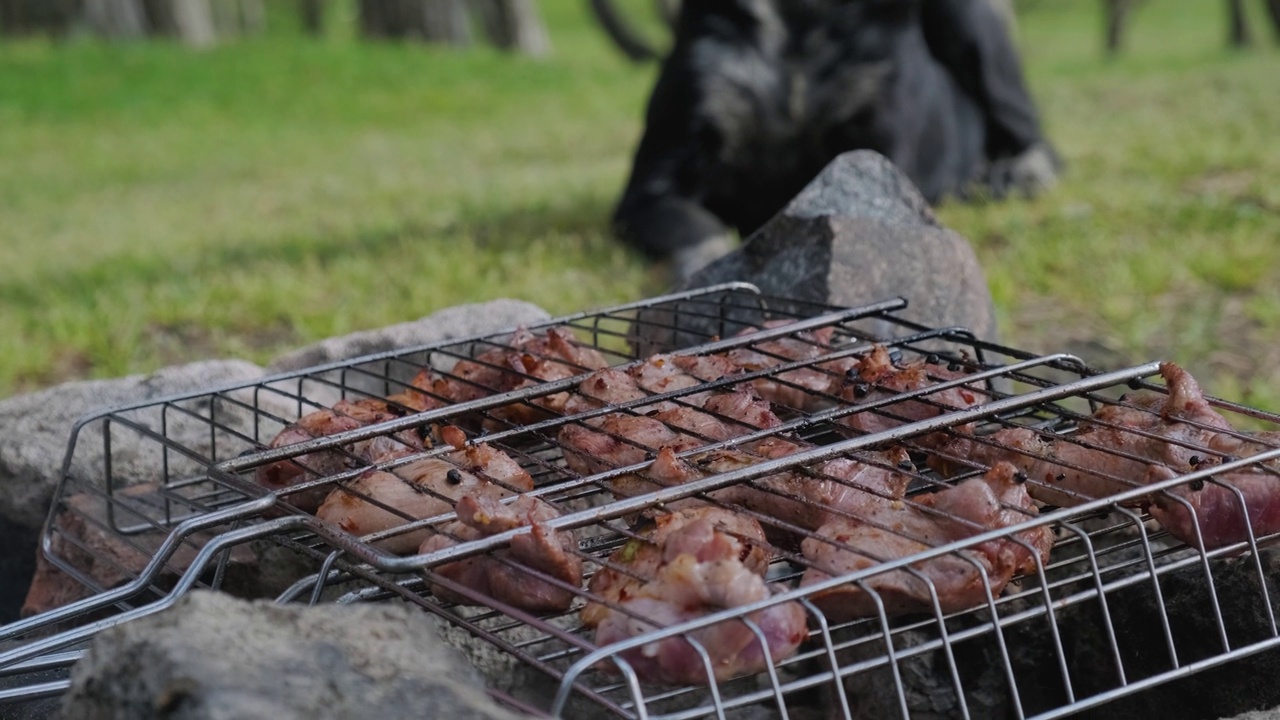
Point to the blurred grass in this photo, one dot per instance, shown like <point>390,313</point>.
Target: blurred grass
<point>159,205</point>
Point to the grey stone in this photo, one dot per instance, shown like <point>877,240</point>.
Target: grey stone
<point>859,233</point>
<point>213,657</point>
<point>34,430</point>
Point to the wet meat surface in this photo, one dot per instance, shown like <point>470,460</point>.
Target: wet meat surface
<point>887,530</point>
<point>692,566</point>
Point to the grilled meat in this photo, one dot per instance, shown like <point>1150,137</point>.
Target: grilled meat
<point>377,501</point>
<point>344,416</point>
<point>702,569</point>
<point>527,359</point>
<point>797,498</point>
<point>888,530</point>
<point>706,532</point>
<point>1222,510</point>
<point>807,388</point>
<point>1114,450</point>
<point>508,576</point>
<point>876,377</point>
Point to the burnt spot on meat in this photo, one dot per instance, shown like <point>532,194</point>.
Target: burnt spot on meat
<point>1020,477</point>
<point>1194,460</point>
<point>454,477</point>
<point>861,390</point>
<point>1060,477</point>
<point>1197,485</point>
<point>396,410</point>
<point>932,359</point>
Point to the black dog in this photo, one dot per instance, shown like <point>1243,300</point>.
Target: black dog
<point>757,96</point>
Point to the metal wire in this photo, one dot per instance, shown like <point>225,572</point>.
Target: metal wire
<point>134,536</point>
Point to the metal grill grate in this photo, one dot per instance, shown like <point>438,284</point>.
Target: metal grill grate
<point>166,496</point>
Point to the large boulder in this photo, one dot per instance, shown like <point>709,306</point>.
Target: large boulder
<point>211,657</point>
<point>860,233</point>
<point>34,432</point>
<point>35,428</point>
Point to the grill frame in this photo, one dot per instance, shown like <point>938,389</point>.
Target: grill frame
<point>241,520</point>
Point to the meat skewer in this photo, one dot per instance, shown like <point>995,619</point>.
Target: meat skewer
<point>698,562</point>
<point>808,388</point>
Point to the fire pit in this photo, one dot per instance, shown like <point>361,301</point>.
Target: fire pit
<point>1079,602</point>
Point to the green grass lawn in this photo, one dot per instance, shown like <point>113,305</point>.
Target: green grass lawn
<point>159,205</point>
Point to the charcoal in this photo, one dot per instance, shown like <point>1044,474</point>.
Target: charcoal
<point>17,565</point>
<point>211,656</point>
<point>33,709</point>
<point>1089,655</point>
<point>858,233</point>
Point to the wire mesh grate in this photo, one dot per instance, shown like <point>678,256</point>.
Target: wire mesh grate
<point>866,481</point>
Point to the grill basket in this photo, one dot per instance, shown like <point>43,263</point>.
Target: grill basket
<point>160,498</point>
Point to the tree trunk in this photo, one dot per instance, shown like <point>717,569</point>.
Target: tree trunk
<point>515,25</point>
<point>160,17</point>
<point>312,12</point>
<point>1273,11</point>
<point>116,19</point>
<point>25,17</point>
<point>445,21</point>
<point>1117,12</point>
<point>193,21</point>
<point>253,17</point>
<point>1239,28</point>
<point>372,18</point>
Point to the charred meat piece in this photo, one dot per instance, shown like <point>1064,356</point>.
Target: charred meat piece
<point>892,530</point>
<point>706,532</point>
<point>1222,510</point>
<point>669,373</point>
<point>702,569</point>
<point>618,441</point>
<point>526,359</point>
<point>806,388</point>
<point>800,497</point>
<point>1114,450</point>
<point>603,387</point>
<point>509,575</point>
<point>877,377</point>
<point>378,501</point>
<point>344,416</point>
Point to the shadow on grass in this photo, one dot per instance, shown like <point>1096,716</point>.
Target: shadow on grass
<point>584,219</point>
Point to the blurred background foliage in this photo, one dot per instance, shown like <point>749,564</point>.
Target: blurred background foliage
<point>163,200</point>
